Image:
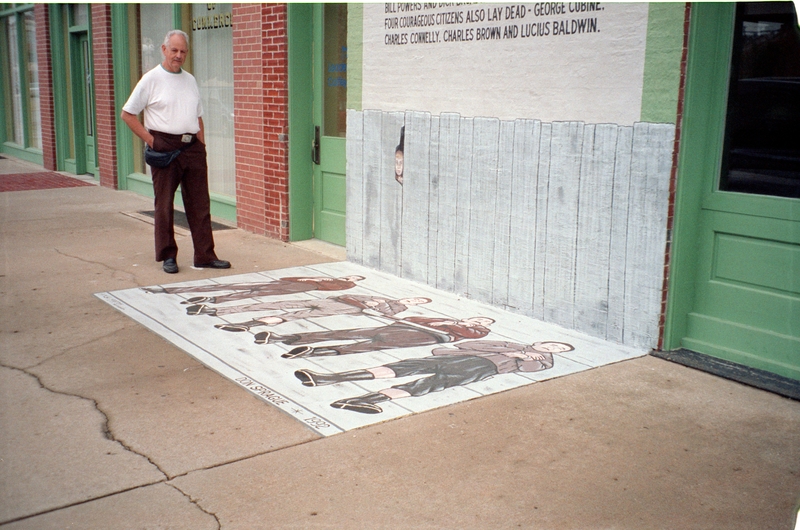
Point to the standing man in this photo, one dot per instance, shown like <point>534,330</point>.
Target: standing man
<point>173,122</point>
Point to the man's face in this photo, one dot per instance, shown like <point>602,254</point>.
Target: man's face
<point>175,53</point>
<point>414,301</point>
<point>478,321</point>
<point>552,347</point>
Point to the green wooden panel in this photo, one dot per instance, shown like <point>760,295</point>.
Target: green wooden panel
<point>757,262</point>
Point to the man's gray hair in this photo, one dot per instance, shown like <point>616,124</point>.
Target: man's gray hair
<point>174,32</point>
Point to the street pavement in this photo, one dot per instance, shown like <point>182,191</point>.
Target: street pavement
<point>106,425</point>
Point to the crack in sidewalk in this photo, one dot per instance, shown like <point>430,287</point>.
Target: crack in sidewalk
<point>109,435</point>
<point>196,503</point>
<point>129,275</point>
<point>106,430</point>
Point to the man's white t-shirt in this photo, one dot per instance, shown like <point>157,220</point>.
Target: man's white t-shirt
<point>170,101</point>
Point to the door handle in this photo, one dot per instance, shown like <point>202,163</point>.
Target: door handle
<point>315,147</point>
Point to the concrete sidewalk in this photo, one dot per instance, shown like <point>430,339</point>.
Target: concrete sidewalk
<point>105,425</point>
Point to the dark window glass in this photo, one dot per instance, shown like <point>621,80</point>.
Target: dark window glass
<point>762,144</point>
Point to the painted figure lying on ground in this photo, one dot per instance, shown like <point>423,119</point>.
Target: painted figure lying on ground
<point>403,333</point>
<point>284,286</point>
<point>347,304</point>
<point>467,363</point>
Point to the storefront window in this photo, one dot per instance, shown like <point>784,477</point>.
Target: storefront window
<point>212,62</point>
<point>17,130</point>
<point>20,73</point>
<point>32,64</point>
<point>155,22</point>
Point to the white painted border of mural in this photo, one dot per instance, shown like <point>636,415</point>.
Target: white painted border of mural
<point>199,317</point>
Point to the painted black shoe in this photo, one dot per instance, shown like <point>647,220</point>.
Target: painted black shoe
<point>215,264</point>
<point>364,404</point>
<point>200,310</point>
<point>232,327</point>
<point>263,337</point>
<point>170,266</point>
<point>199,300</point>
<point>300,351</point>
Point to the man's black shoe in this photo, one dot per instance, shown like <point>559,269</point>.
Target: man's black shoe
<point>170,266</point>
<point>216,264</point>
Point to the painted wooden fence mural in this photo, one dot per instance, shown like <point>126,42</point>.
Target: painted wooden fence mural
<point>564,222</point>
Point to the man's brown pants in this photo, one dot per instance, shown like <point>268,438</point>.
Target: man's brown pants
<point>190,171</point>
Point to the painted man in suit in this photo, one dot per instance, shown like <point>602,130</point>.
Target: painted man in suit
<point>346,304</point>
<point>402,333</point>
<point>241,291</point>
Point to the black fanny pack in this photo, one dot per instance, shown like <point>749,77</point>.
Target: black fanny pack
<point>158,159</point>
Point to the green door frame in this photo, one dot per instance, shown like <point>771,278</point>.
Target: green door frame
<point>305,22</point>
<point>710,41</point>
<point>698,197</point>
<point>301,121</point>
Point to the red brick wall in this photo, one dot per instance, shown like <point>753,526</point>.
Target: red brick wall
<point>105,113</point>
<point>45,66</point>
<point>261,99</point>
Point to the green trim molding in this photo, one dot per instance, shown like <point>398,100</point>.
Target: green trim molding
<point>662,63</point>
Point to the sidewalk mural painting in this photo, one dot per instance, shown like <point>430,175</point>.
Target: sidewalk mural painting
<point>290,337</point>
<point>468,362</point>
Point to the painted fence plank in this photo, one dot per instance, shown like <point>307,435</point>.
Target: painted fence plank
<point>483,190</point>
<point>502,215</point>
<point>462,205</point>
<point>619,235</point>
<point>373,169</point>
<point>523,212</point>
<point>647,231</point>
<point>449,134</point>
<point>542,205</point>
<point>391,196</point>
<point>416,196</point>
<point>354,220</point>
<point>433,202</point>
<point>592,265</point>
<point>562,220</point>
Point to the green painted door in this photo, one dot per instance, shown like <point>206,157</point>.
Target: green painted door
<point>82,75</point>
<point>329,116</point>
<point>735,287</point>
<point>87,80</point>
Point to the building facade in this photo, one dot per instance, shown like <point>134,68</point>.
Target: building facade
<point>630,171</point>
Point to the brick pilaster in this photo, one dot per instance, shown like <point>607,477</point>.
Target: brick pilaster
<point>673,179</point>
<point>45,68</point>
<point>105,112</point>
<point>261,99</point>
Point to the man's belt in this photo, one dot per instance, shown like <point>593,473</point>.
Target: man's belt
<point>162,160</point>
<point>184,138</point>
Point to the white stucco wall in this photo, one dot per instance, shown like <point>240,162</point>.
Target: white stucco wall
<point>549,61</point>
